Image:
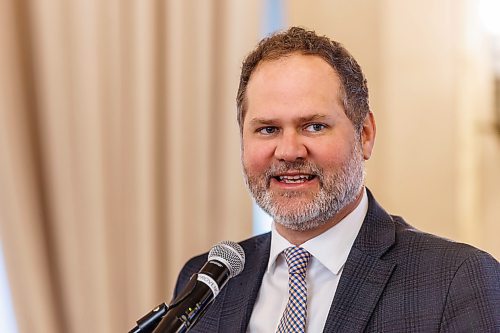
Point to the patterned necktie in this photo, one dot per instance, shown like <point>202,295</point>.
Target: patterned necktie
<point>294,317</point>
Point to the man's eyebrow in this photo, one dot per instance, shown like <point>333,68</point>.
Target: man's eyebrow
<point>272,121</point>
<point>262,121</point>
<point>317,116</point>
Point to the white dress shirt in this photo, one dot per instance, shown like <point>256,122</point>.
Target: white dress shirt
<point>329,252</point>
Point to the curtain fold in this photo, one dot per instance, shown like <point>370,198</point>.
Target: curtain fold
<point>119,152</point>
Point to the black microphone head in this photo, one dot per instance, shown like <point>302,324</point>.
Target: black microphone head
<point>229,253</point>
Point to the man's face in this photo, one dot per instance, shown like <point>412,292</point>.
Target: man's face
<point>302,158</point>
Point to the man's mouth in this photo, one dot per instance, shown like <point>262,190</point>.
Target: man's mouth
<point>295,179</point>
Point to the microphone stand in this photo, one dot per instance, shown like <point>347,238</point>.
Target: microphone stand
<point>149,322</point>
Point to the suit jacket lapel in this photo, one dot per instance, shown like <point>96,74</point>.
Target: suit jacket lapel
<point>240,296</point>
<point>365,275</point>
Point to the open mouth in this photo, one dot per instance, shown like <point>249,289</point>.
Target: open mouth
<point>295,179</point>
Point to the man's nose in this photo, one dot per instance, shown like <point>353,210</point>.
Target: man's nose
<point>290,147</point>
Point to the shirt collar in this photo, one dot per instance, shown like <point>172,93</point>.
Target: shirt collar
<point>330,248</point>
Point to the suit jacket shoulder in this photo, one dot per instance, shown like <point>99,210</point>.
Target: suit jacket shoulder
<point>455,283</point>
<point>399,279</point>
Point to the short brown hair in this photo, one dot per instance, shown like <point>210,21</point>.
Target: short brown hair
<point>299,40</point>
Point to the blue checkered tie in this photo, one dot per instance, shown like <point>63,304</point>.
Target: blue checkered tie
<point>294,317</point>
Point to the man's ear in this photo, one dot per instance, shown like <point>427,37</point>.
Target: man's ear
<point>368,135</point>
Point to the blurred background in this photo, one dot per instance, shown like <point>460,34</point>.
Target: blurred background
<point>119,147</point>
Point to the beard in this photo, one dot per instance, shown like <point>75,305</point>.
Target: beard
<point>306,210</point>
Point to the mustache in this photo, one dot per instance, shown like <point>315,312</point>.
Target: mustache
<point>301,166</point>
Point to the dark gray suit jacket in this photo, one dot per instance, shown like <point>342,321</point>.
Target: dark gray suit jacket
<point>396,279</point>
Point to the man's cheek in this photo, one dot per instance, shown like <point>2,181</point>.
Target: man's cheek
<point>254,161</point>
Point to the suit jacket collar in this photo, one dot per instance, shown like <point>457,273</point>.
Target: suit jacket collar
<point>365,274</point>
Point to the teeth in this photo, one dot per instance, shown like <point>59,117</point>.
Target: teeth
<point>294,179</point>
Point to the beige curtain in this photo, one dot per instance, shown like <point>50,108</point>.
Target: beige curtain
<point>119,152</point>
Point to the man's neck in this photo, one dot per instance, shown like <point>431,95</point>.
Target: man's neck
<point>297,238</point>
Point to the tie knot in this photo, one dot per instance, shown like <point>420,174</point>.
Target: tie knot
<point>297,260</point>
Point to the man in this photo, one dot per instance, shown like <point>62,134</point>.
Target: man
<point>334,261</point>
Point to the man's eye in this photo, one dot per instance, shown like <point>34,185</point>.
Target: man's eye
<point>267,130</point>
<point>315,127</point>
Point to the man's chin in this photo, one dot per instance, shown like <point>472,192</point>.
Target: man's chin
<point>292,203</point>
<point>297,224</point>
<point>290,199</point>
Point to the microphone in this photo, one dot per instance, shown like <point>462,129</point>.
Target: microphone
<point>225,260</point>
<point>148,322</point>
